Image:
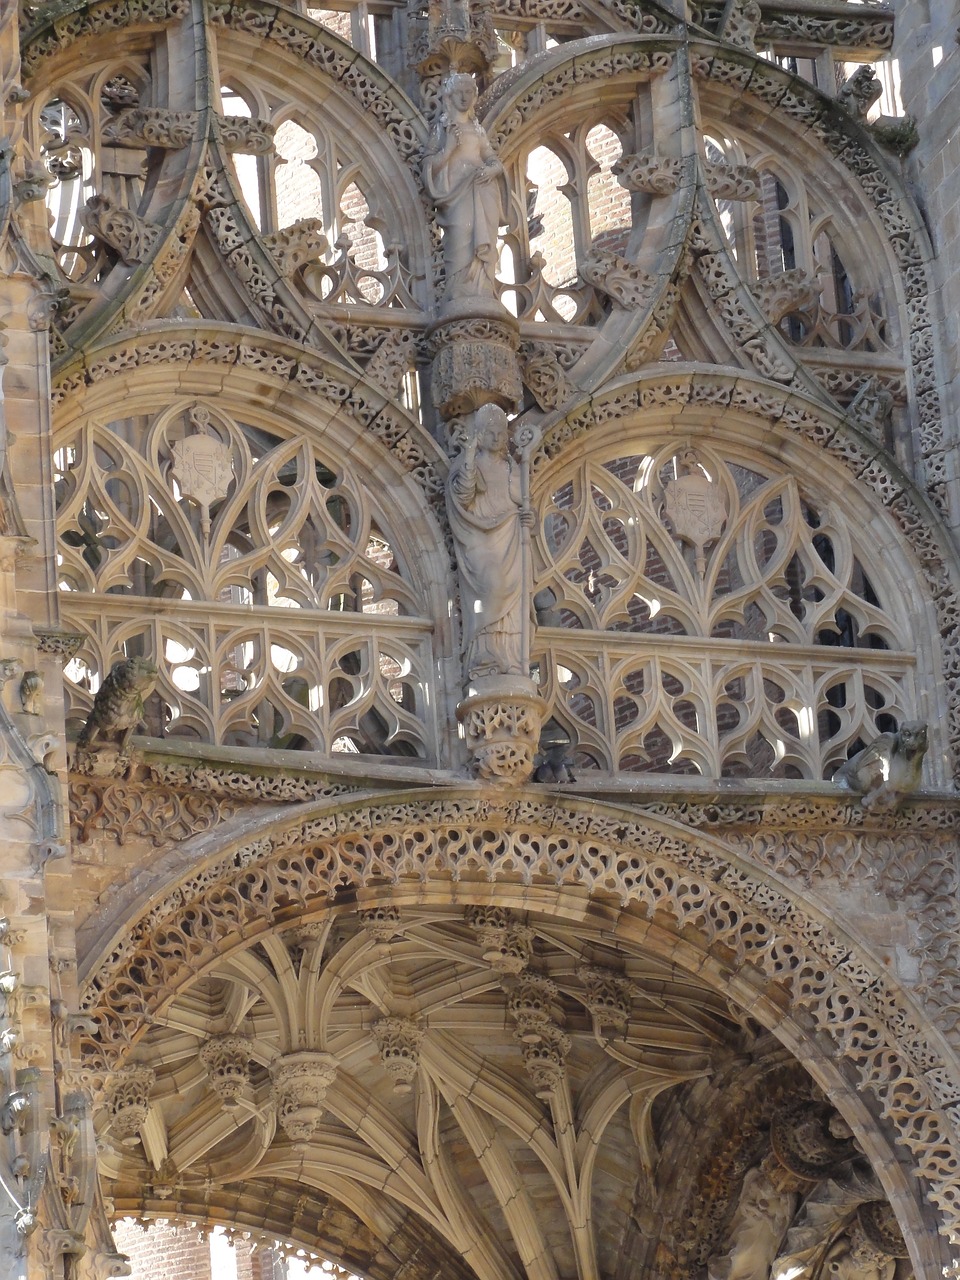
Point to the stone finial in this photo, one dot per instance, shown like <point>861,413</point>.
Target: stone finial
<point>300,1084</point>
<point>226,1060</point>
<point>608,996</point>
<point>529,1001</point>
<point>399,1041</point>
<point>127,1102</point>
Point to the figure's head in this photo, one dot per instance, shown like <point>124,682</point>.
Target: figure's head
<point>493,429</point>
<point>912,738</point>
<point>459,92</point>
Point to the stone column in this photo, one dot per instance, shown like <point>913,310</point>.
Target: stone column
<point>476,381</point>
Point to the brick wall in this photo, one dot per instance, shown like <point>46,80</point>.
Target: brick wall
<point>167,1249</point>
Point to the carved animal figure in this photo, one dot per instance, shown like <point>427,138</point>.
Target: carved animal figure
<point>118,706</point>
<point>888,770</point>
<point>554,766</point>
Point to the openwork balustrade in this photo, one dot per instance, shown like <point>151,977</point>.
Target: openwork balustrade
<point>260,581</point>
<point>710,615</point>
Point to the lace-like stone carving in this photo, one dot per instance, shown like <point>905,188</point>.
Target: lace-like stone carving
<point>141,127</point>
<point>545,1061</point>
<point>608,996</point>
<point>622,281</point>
<point>399,1041</point>
<point>300,1084</point>
<point>226,1060</point>
<point>506,944</point>
<point>530,1002</point>
<point>127,1102</point>
<point>132,237</point>
<point>686,877</point>
<point>648,171</point>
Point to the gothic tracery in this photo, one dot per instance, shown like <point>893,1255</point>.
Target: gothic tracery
<point>476,472</point>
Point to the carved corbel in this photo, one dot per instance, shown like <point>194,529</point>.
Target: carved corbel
<point>293,246</point>
<point>226,1060</point>
<point>790,291</point>
<point>607,995</point>
<point>300,1084</point>
<point>545,1061</point>
<point>506,945</point>
<point>126,1102</point>
<point>141,127</point>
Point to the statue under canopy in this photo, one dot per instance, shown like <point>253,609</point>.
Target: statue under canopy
<point>487,518</point>
<point>467,184</point>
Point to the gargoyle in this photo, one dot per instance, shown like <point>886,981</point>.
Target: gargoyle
<point>118,706</point>
<point>887,771</point>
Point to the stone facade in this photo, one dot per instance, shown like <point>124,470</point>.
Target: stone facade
<point>479,641</point>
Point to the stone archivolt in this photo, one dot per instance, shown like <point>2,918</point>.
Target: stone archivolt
<point>704,893</point>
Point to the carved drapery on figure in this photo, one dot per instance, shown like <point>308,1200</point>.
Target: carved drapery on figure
<point>484,505</point>
<point>489,517</point>
<point>466,182</point>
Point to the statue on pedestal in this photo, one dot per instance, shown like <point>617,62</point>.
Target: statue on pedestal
<point>467,184</point>
<point>488,518</point>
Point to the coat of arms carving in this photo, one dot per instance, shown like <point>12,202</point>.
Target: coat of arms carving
<point>694,507</point>
<point>202,466</point>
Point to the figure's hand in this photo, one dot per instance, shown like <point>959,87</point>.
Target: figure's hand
<point>527,518</point>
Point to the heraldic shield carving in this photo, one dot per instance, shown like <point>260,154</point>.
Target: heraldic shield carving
<point>693,506</point>
<point>202,466</point>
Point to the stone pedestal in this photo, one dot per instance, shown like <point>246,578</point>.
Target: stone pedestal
<point>474,344</point>
<point>501,718</point>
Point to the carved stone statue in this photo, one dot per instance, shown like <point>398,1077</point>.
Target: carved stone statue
<point>466,182</point>
<point>485,508</point>
<point>888,770</point>
<point>759,1224</point>
<point>118,706</point>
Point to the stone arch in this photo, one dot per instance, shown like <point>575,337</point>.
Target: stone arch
<point>687,895</point>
